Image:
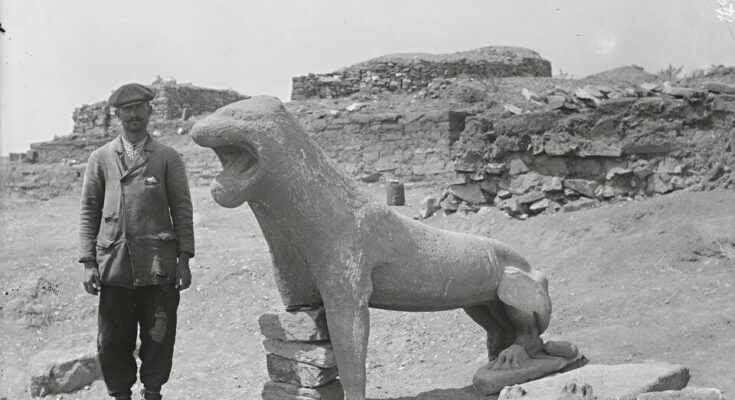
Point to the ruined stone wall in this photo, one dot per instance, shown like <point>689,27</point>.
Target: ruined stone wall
<point>172,102</point>
<point>414,72</point>
<point>624,149</point>
<point>410,146</point>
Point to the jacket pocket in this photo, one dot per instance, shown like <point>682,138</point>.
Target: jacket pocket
<point>109,225</point>
<point>104,242</point>
<point>164,260</point>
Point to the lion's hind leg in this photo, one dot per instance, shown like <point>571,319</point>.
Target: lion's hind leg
<point>525,297</point>
<point>499,329</point>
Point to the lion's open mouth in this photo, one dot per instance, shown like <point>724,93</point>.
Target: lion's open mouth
<point>239,165</point>
<point>238,162</point>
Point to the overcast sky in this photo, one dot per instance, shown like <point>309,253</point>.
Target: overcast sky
<point>57,55</point>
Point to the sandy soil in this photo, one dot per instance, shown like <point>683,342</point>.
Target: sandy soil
<point>647,280</point>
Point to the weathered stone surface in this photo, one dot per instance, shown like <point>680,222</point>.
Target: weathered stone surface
<point>659,183</point>
<point>523,183</point>
<point>469,192</point>
<point>289,371</point>
<point>617,171</point>
<point>450,203</point>
<point>488,381</point>
<point>517,167</point>
<point>719,87</point>
<point>582,186</point>
<point>471,161</point>
<point>429,205</point>
<point>417,71</point>
<point>285,391</point>
<point>489,186</point>
<point>319,354</point>
<point>598,148</point>
<point>579,205</point>
<point>554,184</point>
<point>531,197</point>
<point>688,393</point>
<point>495,168</point>
<point>623,382</point>
<point>539,206</point>
<point>304,326</point>
<point>556,102</point>
<point>615,106</point>
<point>65,365</point>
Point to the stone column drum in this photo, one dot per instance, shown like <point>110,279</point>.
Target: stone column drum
<point>301,363</point>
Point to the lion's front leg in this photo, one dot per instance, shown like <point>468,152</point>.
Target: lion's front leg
<point>346,294</point>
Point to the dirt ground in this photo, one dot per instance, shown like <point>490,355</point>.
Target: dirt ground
<point>647,280</point>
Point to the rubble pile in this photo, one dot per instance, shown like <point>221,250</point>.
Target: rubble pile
<point>596,145</point>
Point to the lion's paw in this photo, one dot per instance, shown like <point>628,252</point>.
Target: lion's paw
<point>576,391</point>
<point>510,358</point>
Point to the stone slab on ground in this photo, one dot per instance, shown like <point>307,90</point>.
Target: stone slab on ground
<point>487,381</point>
<point>688,393</point>
<point>284,391</point>
<point>621,382</point>
<point>304,326</point>
<point>289,371</point>
<point>319,354</point>
<point>65,365</point>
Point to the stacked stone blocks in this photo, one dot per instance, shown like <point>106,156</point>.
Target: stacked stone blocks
<point>300,360</point>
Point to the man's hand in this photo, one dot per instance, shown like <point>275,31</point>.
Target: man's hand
<point>92,278</point>
<point>183,273</point>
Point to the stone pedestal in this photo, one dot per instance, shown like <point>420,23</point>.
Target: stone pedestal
<point>300,359</point>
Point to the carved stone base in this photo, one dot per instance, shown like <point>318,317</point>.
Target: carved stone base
<point>488,381</point>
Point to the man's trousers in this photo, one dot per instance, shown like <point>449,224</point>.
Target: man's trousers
<point>121,310</point>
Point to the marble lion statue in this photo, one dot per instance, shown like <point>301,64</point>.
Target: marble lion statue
<point>332,245</point>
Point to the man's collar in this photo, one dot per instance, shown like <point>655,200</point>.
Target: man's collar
<point>119,147</point>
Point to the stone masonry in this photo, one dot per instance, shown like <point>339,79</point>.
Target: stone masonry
<point>300,360</point>
<point>408,73</point>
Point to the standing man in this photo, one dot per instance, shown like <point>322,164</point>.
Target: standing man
<point>136,238</point>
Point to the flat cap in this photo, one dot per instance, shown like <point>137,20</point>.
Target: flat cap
<point>130,93</point>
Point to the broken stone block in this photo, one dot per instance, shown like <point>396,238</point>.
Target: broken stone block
<point>539,206</point>
<point>523,183</point>
<point>579,205</point>
<point>555,184</point>
<point>668,165</point>
<point>303,326</point>
<point>688,393</point>
<point>582,186</point>
<point>556,102</point>
<point>470,161</point>
<point>495,168</point>
<point>284,391</point>
<point>517,167</point>
<point>470,193</point>
<point>617,171</point>
<point>531,197</point>
<point>598,148</point>
<point>64,365</point>
<point>659,183</point>
<point>319,354</point>
<point>504,194</point>
<point>719,87</point>
<point>623,382</point>
<point>450,204</point>
<point>306,375</point>
<point>489,186</point>
<point>429,205</point>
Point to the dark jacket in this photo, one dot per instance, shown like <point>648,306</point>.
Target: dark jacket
<point>135,221</point>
